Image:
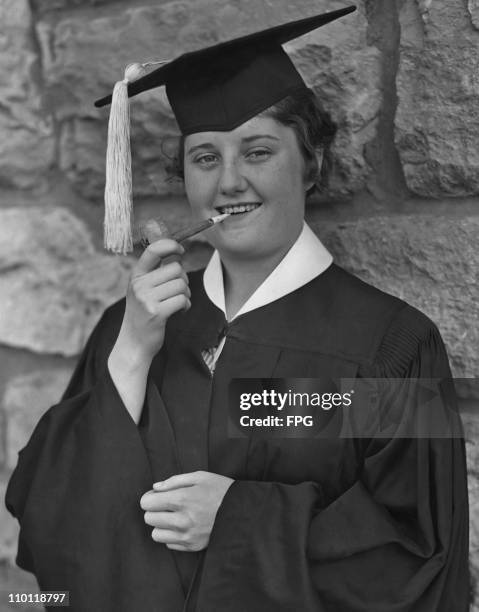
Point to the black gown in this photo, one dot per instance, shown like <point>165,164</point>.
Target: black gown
<point>369,524</point>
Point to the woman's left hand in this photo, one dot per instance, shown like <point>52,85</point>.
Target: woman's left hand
<point>182,509</point>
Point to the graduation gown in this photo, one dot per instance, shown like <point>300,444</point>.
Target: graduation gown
<point>366,524</point>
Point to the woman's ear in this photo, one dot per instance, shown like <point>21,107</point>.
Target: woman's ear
<point>313,169</point>
<point>319,154</point>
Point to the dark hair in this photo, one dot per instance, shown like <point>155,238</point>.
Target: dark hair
<point>314,129</point>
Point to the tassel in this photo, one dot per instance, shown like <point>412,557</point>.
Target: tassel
<point>118,185</point>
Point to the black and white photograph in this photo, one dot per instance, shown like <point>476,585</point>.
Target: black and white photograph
<point>239,305</point>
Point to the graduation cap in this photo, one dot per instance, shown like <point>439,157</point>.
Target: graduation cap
<point>214,89</point>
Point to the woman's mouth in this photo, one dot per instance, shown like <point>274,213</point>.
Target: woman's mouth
<point>237,209</point>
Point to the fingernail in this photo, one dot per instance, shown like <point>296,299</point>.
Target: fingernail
<point>158,485</point>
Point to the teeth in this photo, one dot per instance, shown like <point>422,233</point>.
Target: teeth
<point>238,208</point>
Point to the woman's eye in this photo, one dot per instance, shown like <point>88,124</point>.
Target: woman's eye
<point>258,154</point>
<point>206,160</point>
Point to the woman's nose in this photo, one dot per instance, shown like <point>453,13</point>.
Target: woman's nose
<point>232,179</point>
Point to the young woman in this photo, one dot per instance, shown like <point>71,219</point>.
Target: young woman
<point>132,495</point>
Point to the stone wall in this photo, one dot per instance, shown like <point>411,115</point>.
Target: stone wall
<point>400,77</point>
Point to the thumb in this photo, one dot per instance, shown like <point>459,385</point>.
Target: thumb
<point>156,253</point>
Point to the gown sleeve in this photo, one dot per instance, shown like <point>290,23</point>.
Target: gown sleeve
<point>394,541</point>
<point>90,400</point>
<point>76,491</point>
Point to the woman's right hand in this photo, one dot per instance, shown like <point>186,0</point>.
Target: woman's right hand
<point>156,290</point>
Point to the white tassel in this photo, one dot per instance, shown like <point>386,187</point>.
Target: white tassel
<point>118,186</point>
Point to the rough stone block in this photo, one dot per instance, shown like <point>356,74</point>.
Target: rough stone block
<point>15,580</point>
<point>2,440</point>
<point>83,149</point>
<point>344,70</point>
<point>54,284</point>
<point>437,120</point>
<point>8,529</point>
<point>27,143</point>
<point>46,6</point>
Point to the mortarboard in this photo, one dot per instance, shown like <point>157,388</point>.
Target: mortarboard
<point>214,89</point>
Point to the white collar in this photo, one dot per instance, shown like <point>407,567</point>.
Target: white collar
<point>305,260</point>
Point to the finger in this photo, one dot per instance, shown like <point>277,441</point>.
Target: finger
<point>180,547</point>
<point>165,536</point>
<point>146,499</point>
<point>178,481</point>
<point>154,501</point>
<point>172,258</point>
<point>172,521</point>
<point>155,252</point>
<point>168,290</point>
<point>173,304</point>
<point>165,273</point>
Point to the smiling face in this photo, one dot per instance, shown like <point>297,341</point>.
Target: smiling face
<point>257,168</point>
